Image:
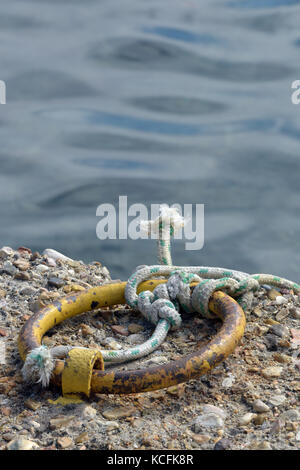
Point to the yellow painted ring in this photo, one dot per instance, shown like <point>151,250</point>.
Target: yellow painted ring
<point>78,370</point>
<point>188,367</point>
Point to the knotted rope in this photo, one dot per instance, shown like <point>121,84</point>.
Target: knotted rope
<point>162,306</point>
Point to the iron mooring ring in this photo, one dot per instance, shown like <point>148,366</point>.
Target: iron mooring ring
<point>188,367</point>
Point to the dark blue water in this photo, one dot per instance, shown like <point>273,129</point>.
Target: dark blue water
<point>174,101</point>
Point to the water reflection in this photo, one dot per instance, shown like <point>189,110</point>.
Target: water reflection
<point>46,84</point>
<point>178,105</point>
<point>257,4</point>
<point>100,118</point>
<point>183,35</point>
<point>172,101</point>
<point>163,56</point>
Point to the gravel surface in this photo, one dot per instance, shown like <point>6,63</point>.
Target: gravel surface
<point>250,401</point>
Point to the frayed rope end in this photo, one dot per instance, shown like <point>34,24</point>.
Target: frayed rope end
<point>38,366</point>
<point>169,215</point>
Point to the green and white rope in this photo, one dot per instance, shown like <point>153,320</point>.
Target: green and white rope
<point>161,307</point>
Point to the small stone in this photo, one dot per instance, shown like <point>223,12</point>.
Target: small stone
<point>119,330</point>
<point>83,437</point>
<point>257,312</point>
<point>261,330</point>
<point>228,381</point>
<point>281,358</point>
<point>42,268</point>
<point>56,282</point>
<point>112,344</point>
<point>295,385</point>
<point>9,268</point>
<point>295,312</point>
<point>3,332</point>
<point>32,405</point>
<point>259,419</point>
<point>8,436</point>
<point>200,438</point>
<point>146,439</point>
<point>298,436</point>
<point>276,426</point>
<point>2,355</point>
<point>89,412</point>
<point>271,321</point>
<point>157,360</point>
<point>5,411</point>
<point>277,400</point>
<point>55,254</point>
<point>279,330</point>
<point>176,390</point>
<point>271,372</point>
<point>264,445</point>
<point>137,423</point>
<point>22,276</point>
<point>35,256</point>
<point>222,444</point>
<point>49,296</point>
<point>136,338</point>
<point>6,384</point>
<point>247,418</point>
<point>290,426</point>
<point>86,330</point>
<point>105,272</point>
<point>24,250</point>
<point>296,337</point>
<point>73,288</point>
<point>119,412</point>
<point>172,445</point>
<point>27,290</point>
<point>273,294</point>
<point>292,415</point>
<point>56,423</point>
<point>135,328</point>
<point>5,252</point>
<point>284,343</point>
<point>214,409</point>
<point>110,425</point>
<point>280,300</point>
<point>22,264</point>
<point>3,293</point>
<point>282,314</point>
<point>260,406</point>
<point>35,425</point>
<point>36,305</point>
<point>208,420</point>
<point>21,444</point>
<point>64,442</point>
<point>51,262</point>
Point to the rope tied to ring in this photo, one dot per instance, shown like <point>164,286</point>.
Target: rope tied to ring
<point>162,307</point>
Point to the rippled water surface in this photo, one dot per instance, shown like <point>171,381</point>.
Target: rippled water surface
<point>175,101</point>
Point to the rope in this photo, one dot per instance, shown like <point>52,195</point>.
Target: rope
<point>161,307</point>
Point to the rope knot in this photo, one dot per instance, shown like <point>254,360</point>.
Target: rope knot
<point>157,305</point>
<point>204,290</point>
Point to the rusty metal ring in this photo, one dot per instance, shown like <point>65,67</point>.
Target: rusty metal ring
<point>188,367</point>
